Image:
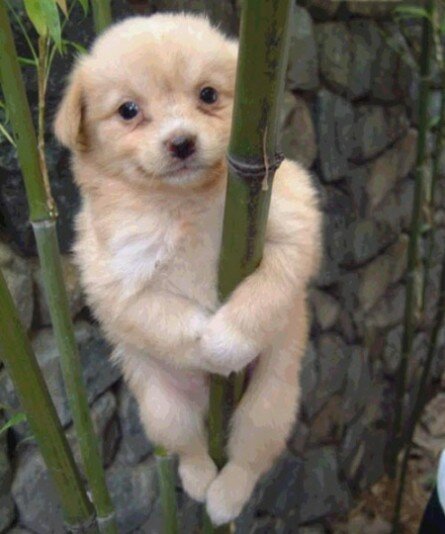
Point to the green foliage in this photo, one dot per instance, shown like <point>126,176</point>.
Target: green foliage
<point>24,31</point>
<point>35,14</point>
<point>433,122</point>
<point>45,18</point>
<point>4,131</point>
<point>399,45</point>
<point>41,20</point>
<point>423,227</point>
<point>76,46</point>
<point>63,6</point>
<point>85,6</point>
<point>411,12</point>
<point>16,419</point>
<point>101,14</point>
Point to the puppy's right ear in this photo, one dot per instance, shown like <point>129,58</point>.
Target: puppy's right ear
<point>68,122</point>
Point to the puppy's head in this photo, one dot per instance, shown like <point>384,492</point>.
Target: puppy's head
<point>152,100</point>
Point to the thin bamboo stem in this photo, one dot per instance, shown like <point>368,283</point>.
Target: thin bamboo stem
<point>420,398</point>
<point>42,83</point>
<point>208,528</point>
<point>21,122</point>
<point>43,214</point>
<point>434,335</point>
<point>101,15</point>
<point>48,249</point>
<point>17,354</point>
<point>261,68</point>
<point>216,420</point>
<point>166,477</point>
<point>410,314</point>
<point>438,148</point>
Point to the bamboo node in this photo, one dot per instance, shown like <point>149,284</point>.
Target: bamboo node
<point>43,224</point>
<point>105,521</point>
<point>84,526</point>
<point>254,167</point>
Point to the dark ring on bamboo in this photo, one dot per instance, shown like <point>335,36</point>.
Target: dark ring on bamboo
<point>83,527</point>
<point>254,170</point>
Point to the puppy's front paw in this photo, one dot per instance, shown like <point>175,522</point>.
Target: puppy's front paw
<point>198,323</point>
<point>196,474</point>
<point>224,346</point>
<point>228,493</point>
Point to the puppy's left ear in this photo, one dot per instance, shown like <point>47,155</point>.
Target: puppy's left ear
<point>68,123</point>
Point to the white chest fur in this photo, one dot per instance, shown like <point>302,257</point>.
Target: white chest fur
<point>177,252</point>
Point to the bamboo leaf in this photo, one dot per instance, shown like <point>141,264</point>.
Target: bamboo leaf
<point>51,14</point>
<point>28,439</point>
<point>63,6</point>
<point>78,47</point>
<point>412,12</point>
<point>27,61</point>
<point>101,14</point>
<point>23,30</point>
<point>85,6</point>
<point>399,45</point>
<point>13,421</point>
<point>4,131</point>
<point>6,134</point>
<point>36,16</point>
<point>434,121</point>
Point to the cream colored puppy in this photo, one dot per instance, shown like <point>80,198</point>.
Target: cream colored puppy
<point>147,116</point>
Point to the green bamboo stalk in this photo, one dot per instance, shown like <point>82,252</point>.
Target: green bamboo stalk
<point>410,314</point>
<point>438,148</point>
<point>421,394</point>
<point>17,354</point>
<point>43,217</point>
<point>259,91</point>
<point>48,249</point>
<point>421,398</point>
<point>166,477</point>
<point>252,158</point>
<point>101,15</point>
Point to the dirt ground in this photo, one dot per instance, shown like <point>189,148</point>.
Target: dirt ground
<point>373,513</point>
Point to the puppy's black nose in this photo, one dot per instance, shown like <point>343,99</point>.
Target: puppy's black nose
<point>182,146</point>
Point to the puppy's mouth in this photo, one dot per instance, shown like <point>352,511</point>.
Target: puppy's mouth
<point>182,169</point>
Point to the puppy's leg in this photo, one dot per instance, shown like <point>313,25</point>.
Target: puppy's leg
<point>261,423</point>
<point>172,405</point>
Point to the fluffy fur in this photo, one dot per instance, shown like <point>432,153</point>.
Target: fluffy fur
<point>148,241</point>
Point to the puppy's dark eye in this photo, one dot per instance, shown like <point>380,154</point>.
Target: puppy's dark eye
<point>128,110</point>
<point>209,95</point>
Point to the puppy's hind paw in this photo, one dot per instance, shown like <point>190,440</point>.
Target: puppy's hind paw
<point>197,473</point>
<point>228,493</point>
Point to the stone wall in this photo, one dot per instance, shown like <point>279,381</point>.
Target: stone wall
<point>349,115</point>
